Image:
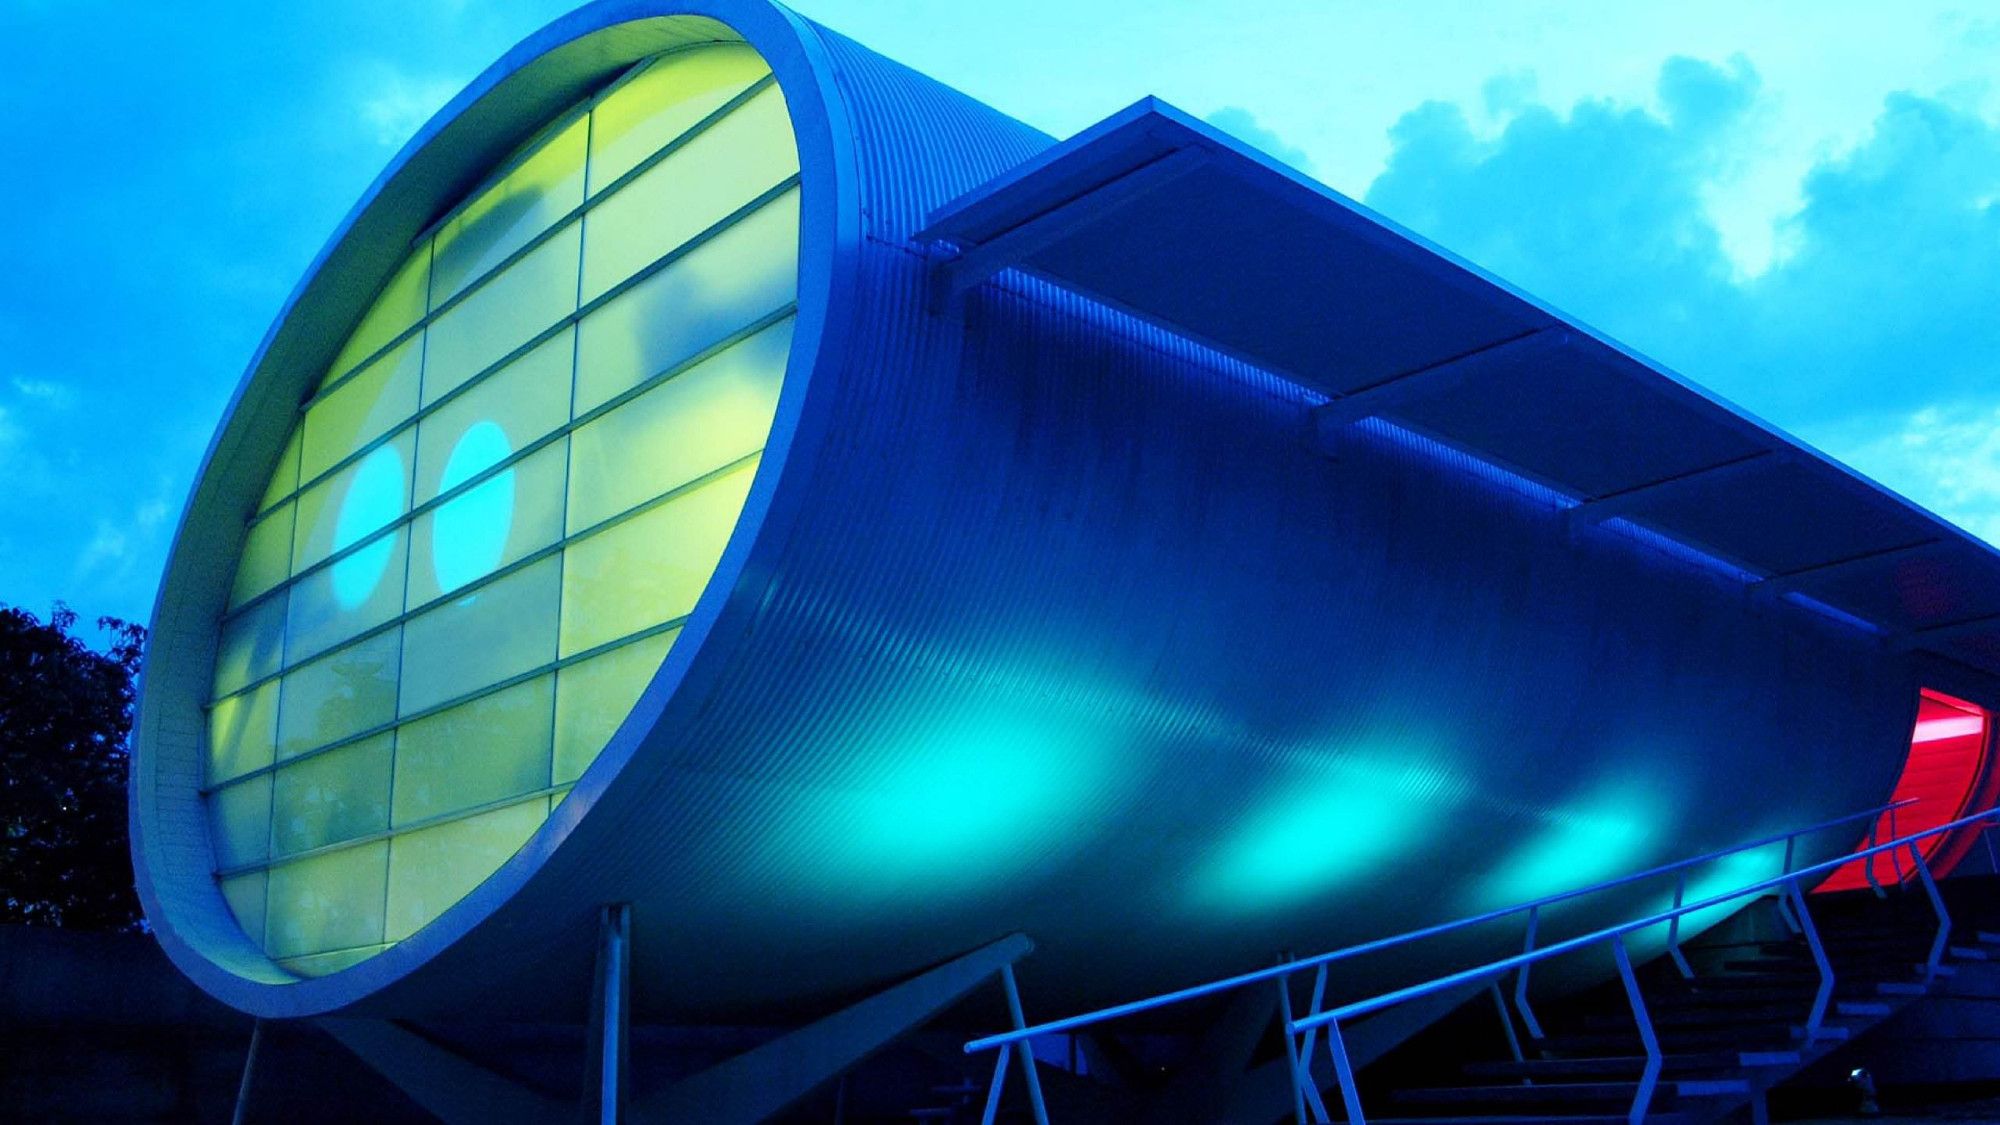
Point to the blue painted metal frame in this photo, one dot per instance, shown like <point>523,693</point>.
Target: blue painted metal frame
<point>1532,909</point>
<point>1615,937</point>
<point>1077,214</point>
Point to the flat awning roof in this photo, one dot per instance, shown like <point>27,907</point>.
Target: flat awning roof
<point>1164,217</point>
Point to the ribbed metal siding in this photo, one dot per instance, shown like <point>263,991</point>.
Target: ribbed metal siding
<point>1036,507</point>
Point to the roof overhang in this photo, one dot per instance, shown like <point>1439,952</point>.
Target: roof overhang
<point>1169,220</point>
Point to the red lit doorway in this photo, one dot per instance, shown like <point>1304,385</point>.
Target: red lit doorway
<point>1947,777</point>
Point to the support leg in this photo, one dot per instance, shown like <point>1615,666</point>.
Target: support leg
<point>242,1113</point>
<point>610,1016</point>
<point>759,1083</point>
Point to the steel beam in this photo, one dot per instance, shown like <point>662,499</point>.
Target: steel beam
<point>763,1081</point>
<point>1330,419</point>
<point>973,265</point>
<point>1616,504</point>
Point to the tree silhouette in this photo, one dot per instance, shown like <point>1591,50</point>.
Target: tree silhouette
<point>65,718</point>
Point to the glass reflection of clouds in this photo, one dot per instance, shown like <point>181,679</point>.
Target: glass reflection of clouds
<point>472,527</point>
<point>374,499</point>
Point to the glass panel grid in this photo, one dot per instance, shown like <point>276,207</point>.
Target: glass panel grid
<point>414,669</point>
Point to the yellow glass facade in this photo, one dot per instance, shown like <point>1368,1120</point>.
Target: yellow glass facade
<point>498,507</point>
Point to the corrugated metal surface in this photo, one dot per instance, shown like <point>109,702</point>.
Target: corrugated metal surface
<point>1056,623</point>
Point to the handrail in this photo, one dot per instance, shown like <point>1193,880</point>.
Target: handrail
<point>1288,968</point>
<point>1791,883</point>
<point>1506,965</point>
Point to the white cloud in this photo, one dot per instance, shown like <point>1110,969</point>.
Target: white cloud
<point>1946,459</point>
<point>46,391</point>
<point>395,104</point>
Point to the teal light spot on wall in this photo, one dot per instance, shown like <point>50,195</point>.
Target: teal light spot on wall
<point>961,804</point>
<point>374,499</point>
<point>1327,822</point>
<point>1596,835</point>
<point>472,528</point>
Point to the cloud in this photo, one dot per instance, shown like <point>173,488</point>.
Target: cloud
<point>396,104</point>
<point>1244,126</point>
<point>44,390</point>
<point>1874,331</point>
<point>1948,459</point>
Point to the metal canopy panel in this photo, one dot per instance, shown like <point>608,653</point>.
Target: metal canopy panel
<point>1292,277</point>
<point>1163,217</point>
<point>1921,591</point>
<point>1580,420</point>
<point>1791,516</point>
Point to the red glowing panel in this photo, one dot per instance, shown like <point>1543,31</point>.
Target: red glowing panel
<point>1947,760</point>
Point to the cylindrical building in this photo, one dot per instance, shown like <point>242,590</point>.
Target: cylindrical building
<point>615,514</point>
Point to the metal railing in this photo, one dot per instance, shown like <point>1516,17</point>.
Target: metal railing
<point>1788,884</point>
<point>1306,1094</point>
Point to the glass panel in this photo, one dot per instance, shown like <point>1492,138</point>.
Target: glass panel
<point>363,408</point>
<point>502,314</point>
<point>245,896</point>
<point>353,504</point>
<point>240,821</point>
<point>401,304</point>
<point>717,171</point>
<point>348,598</point>
<point>250,646</point>
<point>435,867</point>
<point>662,102</point>
<point>503,218</point>
<point>328,902</point>
<point>242,732</point>
<point>267,556</point>
<point>748,271</point>
<point>506,517</point>
<point>650,568</point>
<point>497,631</point>
<point>326,964</point>
<point>594,696</point>
<point>344,694</point>
<point>495,747</point>
<point>715,412</point>
<point>286,479</point>
<point>331,797</point>
<point>524,401</point>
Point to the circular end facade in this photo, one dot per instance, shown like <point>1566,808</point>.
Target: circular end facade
<point>489,484</point>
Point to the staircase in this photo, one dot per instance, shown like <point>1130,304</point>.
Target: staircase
<point>1727,1034</point>
<point>1698,1035</point>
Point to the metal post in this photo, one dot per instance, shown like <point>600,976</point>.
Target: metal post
<point>1825,993</point>
<point>1292,1050</point>
<point>999,1083</point>
<point>1938,944</point>
<point>242,1113</point>
<point>1343,1069</point>
<point>1868,865</point>
<point>1313,1101</point>
<point>1521,978</point>
<point>1674,928</point>
<point>1895,854</point>
<point>1643,1097</point>
<point>1506,1022</point>
<point>611,1015</point>
<point>1021,1045</point>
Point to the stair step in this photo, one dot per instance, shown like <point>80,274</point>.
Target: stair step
<point>1629,1064</point>
<point>1536,1119</point>
<point>1968,953</point>
<point>1681,1040</point>
<point>1572,1092</point>
<point>1872,1008</point>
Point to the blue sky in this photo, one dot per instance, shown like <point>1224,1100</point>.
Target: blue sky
<point>1795,204</point>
